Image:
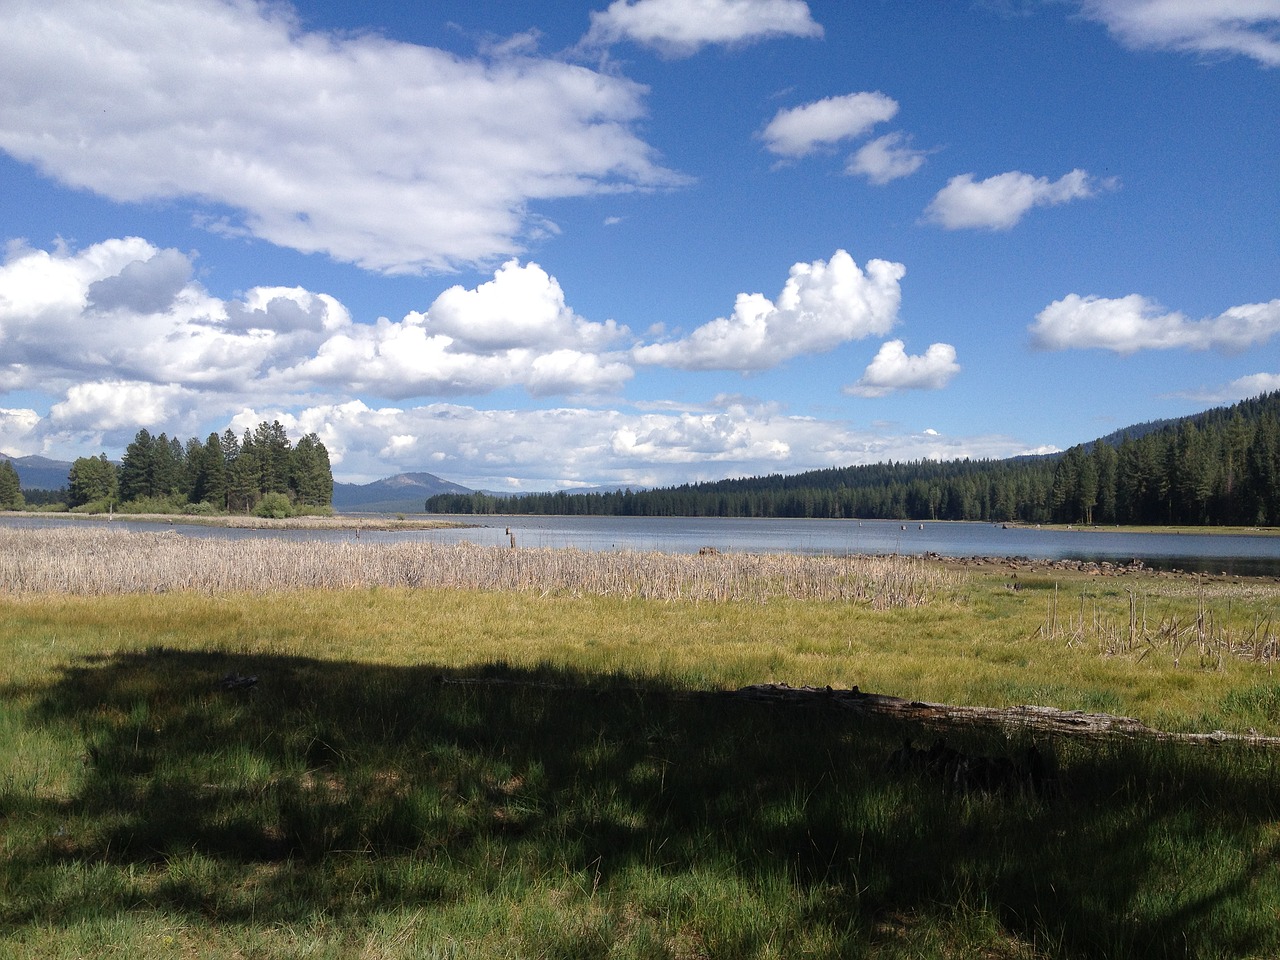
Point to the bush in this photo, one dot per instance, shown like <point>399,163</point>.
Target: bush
<point>277,506</point>
<point>170,504</point>
<point>202,509</point>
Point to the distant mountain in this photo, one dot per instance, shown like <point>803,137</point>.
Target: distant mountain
<point>403,493</point>
<point>39,473</point>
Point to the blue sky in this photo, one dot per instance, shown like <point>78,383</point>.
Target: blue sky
<point>533,246</point>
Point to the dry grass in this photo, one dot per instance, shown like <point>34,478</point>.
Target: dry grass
<point>1203,637</point>
<point>96,562</point>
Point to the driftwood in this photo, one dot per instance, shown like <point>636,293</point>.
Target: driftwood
<point>1075,723</point>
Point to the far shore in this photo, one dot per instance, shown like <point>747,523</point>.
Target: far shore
<point>1146,528</point>
<point>341,521</point>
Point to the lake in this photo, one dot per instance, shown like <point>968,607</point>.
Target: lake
<point>1241,554</point>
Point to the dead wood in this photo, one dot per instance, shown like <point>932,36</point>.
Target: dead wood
<point>1075,723</point>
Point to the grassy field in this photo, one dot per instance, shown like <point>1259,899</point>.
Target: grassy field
<point>459,752</point>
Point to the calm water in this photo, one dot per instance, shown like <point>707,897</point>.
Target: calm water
<point>1214,553</point>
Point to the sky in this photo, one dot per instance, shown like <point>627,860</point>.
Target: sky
<point>530,246</point>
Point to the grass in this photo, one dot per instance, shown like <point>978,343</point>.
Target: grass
<point>459,772</point>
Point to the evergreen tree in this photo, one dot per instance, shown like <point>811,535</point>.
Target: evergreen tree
<point>207,472</point>
<point>92,479</point>
<point>137,467</point>
<point>10,487</point>
<point>244,478</point>
<point>311,478</point>
<point>275,456</point>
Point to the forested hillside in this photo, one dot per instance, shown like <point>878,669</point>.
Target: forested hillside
<point>1219,467</point>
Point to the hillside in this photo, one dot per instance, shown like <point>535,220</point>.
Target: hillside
<point>403,493</point>
<point>39,473</point>
<point>1221,466</point>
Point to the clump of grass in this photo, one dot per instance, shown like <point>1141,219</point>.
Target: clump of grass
<point>1203,637</point>
<point>97,562</point>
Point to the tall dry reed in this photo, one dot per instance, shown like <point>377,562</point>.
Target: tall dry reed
<point>107,561</point>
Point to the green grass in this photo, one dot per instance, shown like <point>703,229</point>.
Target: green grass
<point>361,801</point>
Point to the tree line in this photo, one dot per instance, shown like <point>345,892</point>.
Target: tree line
<point>1221,467</point>
<point>261,472</point>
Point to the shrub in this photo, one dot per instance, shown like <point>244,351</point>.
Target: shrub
<point>274,505</point>
<point>202,509</point>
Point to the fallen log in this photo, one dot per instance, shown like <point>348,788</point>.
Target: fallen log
<point>939,716</point>
<point>1075,723</point>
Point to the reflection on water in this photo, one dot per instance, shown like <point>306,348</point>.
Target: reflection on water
<point>1211,553</point>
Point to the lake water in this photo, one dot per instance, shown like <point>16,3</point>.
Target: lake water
<point>1212,553</point>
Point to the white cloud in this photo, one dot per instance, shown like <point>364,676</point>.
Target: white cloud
<point>396,157</point>
<point>1249,28</point>
<point>115,405</point>
<point>1239,389</point>
<point>18,431</point>
<point>886,159</point>
<point>892,369</point>
<point>540,449</point>
<point>822,305</point>
<point>1128,324</point>
<point>999,202</point>
<point>106,334</point>
<point>519,307</point>
<point>798,131</point>
<point>680,28</point>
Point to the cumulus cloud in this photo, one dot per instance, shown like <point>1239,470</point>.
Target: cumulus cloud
<point>680,28</point>
<point>886,159</point>
<point>1249,28</point>
<point>1128,324</point>
<point>567,446</point>
<point>116,405</point>
<point>892,369</point>
<point>1000,202</point>
<point>105,327</point>
<point>18,431</point>
<point>799,131</point>
<point>519,307</point>
<point>392,156</point>
<point>822,305</point>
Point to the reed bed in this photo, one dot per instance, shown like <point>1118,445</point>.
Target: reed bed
<point>101,562</point>
<point>1202,638</point>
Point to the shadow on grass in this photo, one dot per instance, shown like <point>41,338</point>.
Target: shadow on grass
<point>341,789</point>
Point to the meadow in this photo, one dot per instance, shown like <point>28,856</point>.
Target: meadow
<point>257,749</point>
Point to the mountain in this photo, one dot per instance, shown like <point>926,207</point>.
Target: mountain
<point>39,473</point>
<point>403,493</point>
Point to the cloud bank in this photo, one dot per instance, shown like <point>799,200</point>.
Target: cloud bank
<point>392,156</point>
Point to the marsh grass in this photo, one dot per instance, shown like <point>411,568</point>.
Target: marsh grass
<point>592,796</point>
<point>1203,636</point>
<point>103,561</point>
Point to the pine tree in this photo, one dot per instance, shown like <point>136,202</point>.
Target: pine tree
<point>10,487</point>
<point>311,478</point>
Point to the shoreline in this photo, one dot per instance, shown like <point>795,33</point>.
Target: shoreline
<point>345,521</point>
